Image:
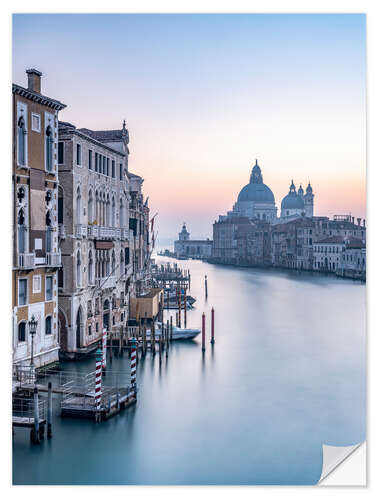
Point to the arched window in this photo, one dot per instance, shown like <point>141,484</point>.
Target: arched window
<point>78,206</point>
<point>113,262</point>
<point>78,269</point>
<point>106,305</point>
<point>90,208</point>
<point>21,141</point>
<point>21,231</point>
<point>97,207</point>
<point>113,212</point>
<point>60,206</point>
<point>107,212</point>
<point>91,268</point>
<point>122,263</point>
<point>48,232</point>
<point>48,329</point>
<point>122,213</point>
<point>107,264</point>
<point>22,331</point>
<point>113,302</point>
<point>49,143</point>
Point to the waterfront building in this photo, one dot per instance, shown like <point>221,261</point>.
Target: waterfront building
<point>185,247</point>
<point>292,243</point>
<point>327,253</point>
<point>36,256</point>
<point>353,259</point>
<point>102,246</point>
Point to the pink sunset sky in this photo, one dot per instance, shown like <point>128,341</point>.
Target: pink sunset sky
<point>204,95</point>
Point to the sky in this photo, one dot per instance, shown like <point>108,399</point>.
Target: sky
<point>204,95</point>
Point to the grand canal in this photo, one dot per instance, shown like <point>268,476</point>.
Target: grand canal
<point>286,374</point>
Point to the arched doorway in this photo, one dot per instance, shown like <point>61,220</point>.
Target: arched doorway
<point>63,331</point>
<point>78,328</point>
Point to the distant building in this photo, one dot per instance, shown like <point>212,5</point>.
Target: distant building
<point>327,253</point>
<point>36,255</point>
<point>353,259</point>
<point>185,247</point>
<point>297,204</point>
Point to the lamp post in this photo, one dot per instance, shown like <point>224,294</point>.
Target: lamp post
<point>33,323</point>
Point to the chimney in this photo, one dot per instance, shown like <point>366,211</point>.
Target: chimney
<point>364,223</point>
<point>359,221</point>
<point>33,76</point>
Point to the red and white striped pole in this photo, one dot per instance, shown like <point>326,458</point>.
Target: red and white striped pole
<point>212,326</point>
<point>98,379</point>
<point>104,346</point>
<point>203,332</point>
<point>133,364</point>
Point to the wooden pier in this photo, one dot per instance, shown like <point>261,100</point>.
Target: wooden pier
<point>171,276</point>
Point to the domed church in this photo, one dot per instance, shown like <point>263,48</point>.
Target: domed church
<point>255,200</point>
<point>298,203</point>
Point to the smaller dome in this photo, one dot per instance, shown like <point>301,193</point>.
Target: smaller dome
<point>309,189</point>
<point>300,191</point>
<point>292,201</point>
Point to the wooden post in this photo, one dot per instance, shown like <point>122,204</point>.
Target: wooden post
<point>203,332</point>
<point>110,346</point>
<point>35,439</point>
<point>121,340</point>
<point>212,326</point>
<point>205,285</point>
<point>179,307</point>
<point>49,411</point>
<point>171,329</point>
<point>167,336</point>
<point>176,318</point>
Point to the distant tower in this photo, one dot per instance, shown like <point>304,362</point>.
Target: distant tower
<point>300,191</point>
<point>184,235</point>
<point>309,201</point>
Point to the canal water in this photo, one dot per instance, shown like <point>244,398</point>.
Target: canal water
<point>286,374</point>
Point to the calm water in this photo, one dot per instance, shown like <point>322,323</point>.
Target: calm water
<point>287,373</point>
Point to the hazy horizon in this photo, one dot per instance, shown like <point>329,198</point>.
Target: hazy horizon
<point>204,95</point>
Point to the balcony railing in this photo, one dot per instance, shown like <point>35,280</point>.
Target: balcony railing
<point>124,233</point>
<point>26,260</point>
<point>106,282</point>
<point>62,234</point>
<point>53,259</point>
<point>80,230</point>
<point>92,231</point>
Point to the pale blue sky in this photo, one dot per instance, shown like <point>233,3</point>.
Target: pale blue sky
<point>203,95</point>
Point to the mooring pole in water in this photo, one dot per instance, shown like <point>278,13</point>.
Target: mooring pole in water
<point>203,332</point>
<point>171,329</point>
<point>110,347</point>
<point>35,435</point>
<point>212,326</point>
<point>205,285</point>
<point>133,363</point>
<point>49,411</point>
<point>104,353</point>
<point>98,379</point>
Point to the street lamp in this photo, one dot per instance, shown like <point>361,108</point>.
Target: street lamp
<point>33,323</point>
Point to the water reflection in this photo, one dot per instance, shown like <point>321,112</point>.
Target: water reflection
<point>286,374</point>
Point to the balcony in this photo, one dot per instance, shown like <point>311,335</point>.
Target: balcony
<point>124,233</point>
<point>80,231</point>
<point>107,233</point>
<point>106,282</point>
<point>26,260</point>
<point>53,259</point>
<point>62,234</point>
<point>92,231</point>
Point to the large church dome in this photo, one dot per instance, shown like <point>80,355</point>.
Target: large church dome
<point>256,191</point>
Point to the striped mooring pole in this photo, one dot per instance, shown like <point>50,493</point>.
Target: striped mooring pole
<point>212,326</point>
<point>104,353</point>
<point>133,363</point>
<point>98,379</point>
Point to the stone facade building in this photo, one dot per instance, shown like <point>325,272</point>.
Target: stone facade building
<point>185,247</point>
<point>353,260</point>
<point>327,253</point>
<point>103,250</point>
<point>36,256</point>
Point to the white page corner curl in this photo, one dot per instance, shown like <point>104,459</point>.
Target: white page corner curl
<point>333,456</point>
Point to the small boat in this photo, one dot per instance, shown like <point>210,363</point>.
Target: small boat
<point>177,333</point>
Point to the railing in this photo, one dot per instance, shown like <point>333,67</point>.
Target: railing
<point>62,234</point>
<point>53,259</point>
<point>92,231</point>
<point>80,230</point>
<point>24,408</point>
<point>26,260</point>
<point>24,374</point>
<point>106,282</point>
<point>124,233</point>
